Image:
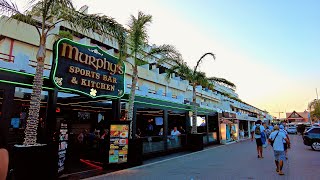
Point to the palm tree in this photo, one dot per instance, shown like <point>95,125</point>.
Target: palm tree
<point>137,42</point>
<point>195,78</point>
<point>45,15</point>
<point>314,108</point>
<point>222,81</point>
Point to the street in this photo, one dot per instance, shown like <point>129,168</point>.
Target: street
<point>233,161</point>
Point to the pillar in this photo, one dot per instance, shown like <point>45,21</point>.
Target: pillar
<point>165,128</point>
<point>8,98</point>
<point>116,109</point>
<point>207,127</point>
<point>188,124</point>
<point>249,130</point>
<point>134,122</point>
<point>51,120</point>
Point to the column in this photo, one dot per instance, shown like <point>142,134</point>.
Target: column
<point>207,128</point>
<point>188,124</point>
<point>51,120</point>
<point>134,122</point>
<point>249,130</point>
<point>8,98</point>
<point>116,109</point>
<point>165,128</point>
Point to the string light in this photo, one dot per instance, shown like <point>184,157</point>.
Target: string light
<point>33,116</point>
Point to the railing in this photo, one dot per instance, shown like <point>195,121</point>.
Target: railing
<point>153,144</point>
<point>176,141</point>
<point>159,143</point>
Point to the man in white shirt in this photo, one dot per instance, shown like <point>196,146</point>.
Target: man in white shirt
<point>175,132</point>
<point>277,137</point>
<point>256,133</point>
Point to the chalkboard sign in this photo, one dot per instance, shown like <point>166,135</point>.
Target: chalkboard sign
<point>63,146</point>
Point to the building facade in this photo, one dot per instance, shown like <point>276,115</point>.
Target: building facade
<point>160,105</point>
<point>298,117</point>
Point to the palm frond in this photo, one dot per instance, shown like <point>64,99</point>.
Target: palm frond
<point>201,58</point>
<point>103,25</point>
<point>26,19</point>
<point>8,8</point>
<point>169,54</point>
<point>200,78</point>
<point>138,35</point>
<point>223,81</point>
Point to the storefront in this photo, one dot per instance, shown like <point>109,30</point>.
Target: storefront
<point>229,128</point>
<point>77,106</point>
<point>244,129</point>
<point>80,100</point>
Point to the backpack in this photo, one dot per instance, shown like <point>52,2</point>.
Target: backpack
<point>257,130</point>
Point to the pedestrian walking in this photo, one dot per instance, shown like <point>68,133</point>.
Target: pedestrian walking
<point>285,145</point>
<point>276,140</point>
<point>256,131</point>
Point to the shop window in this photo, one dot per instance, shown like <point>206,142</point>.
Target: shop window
<point>177,119</point>
<point>19,115</point>
<point>149,122</point>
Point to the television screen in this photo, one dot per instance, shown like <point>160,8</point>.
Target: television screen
<point>159,121</point>
<point>201,121</point>
<point>100,117</point>
<point>15,122</point>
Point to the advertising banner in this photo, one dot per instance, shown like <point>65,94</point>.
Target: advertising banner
<point>119,141</point>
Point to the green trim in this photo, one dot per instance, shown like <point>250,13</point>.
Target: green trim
<point>23,84</point>
<point>160,105</point>
<point>18,72</point>
<point>162,100</point>
<point>56,49</point>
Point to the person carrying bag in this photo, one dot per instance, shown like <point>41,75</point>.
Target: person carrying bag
<point>276,140</point>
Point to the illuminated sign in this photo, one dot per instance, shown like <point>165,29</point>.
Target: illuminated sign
<point>119,142</point>
<point>87,70</point>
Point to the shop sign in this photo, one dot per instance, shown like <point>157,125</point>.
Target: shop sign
<point>87,70</point>
<point>119,142</point>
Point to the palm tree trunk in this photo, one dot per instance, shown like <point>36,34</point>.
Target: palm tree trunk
<point>34,109</point>
<point>194,110</point>
<point>132,96</point>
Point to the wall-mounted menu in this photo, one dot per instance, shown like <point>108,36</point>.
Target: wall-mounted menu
<point>118,152</point>
<point>63,145</point>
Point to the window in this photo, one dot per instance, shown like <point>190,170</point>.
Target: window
<point>315,130</point>
<point>19,115</point>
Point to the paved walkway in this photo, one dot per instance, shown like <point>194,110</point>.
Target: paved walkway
<point>234,161</point>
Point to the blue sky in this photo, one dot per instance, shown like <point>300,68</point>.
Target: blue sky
<point>269,49</point>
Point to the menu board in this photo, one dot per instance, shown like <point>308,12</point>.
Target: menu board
<point>118,152</point>
<point>63,145</point>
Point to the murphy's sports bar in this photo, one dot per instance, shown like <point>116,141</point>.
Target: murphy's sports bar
<point>80,109</point>
<point>83,115</point>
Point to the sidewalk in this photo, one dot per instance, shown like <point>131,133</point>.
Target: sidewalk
<point>234,161</point>
<point>93,173</point>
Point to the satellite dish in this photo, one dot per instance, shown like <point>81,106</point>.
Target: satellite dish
<point>84,9</point>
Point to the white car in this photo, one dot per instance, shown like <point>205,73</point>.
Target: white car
<point>292,130</point>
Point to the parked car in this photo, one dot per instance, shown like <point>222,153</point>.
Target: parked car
<point>307,129</point>
<point>292,130</point>
<point>312,138</point>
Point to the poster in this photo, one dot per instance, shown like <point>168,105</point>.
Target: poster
<point>63,145</point>
<point>119,140</point>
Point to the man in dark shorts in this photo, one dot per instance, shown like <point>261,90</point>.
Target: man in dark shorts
<point>4,155</point>
<point>256,131</point>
